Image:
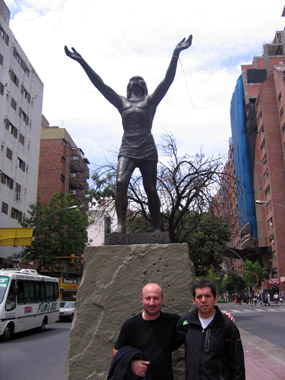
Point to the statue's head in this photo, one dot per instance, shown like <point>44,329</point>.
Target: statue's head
<point>136,80</point>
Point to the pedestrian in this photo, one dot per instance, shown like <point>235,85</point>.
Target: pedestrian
<point>276,298</point>
<point>255,300</point>
<point>213,344</point>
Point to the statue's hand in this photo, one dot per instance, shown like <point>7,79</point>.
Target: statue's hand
<point>72,54</point>
<point>184,44</point>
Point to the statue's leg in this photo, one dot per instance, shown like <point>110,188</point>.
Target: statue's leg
<point>149,174</point>
<point>125,169</point>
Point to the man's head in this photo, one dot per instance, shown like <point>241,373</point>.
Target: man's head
<point>138,81</point>
<point>205,297</point>
<point>152,298</point>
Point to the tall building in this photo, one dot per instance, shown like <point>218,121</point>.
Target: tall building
<point>63,168</point>
<point>21,96</point>
<point>258,135</point>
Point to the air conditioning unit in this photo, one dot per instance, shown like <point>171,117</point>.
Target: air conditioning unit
<point>18,195</point>
<point>72,191</point>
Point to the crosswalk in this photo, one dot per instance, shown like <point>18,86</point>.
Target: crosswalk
<point>260,309</point>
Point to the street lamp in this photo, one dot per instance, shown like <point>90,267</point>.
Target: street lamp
<point>55,212</point>
<point>259,202</point>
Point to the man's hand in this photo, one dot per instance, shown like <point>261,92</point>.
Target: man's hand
<point>139,367</point>
<point>229,316</point>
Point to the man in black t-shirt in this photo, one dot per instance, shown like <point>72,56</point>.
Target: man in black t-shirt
<point>153,333</point>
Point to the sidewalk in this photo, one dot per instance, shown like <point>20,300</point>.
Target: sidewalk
<point>263,360</point>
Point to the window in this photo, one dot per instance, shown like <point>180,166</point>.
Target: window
<point>264,160</point>
<point>9,153</point>
<point>270,222</point>
<point>261,130</point>
<point>18,187</point>
<point>22,139</point>
<point>6,180</point>
<point>21,164</point>
<point>4,35</point>
<point>262,144</point>
<point>1,88</point>
<point>1,59</point>
<point>13,104</point>
<point>23,116</point>
<point>281,112</point>
<point>14,77</point>
<point>265,175</point>
<point>37,291</point>
<point>16,214</point>
<point>62,178</point>
<point>11,128</point>
<point>25,93</point>
<point>4,208</point>
<point>267,190</point>
<point>279,96</point>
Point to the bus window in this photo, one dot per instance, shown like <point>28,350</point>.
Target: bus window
<point>20,298</point>
<point>4,281</point>
<point>50,291</point>
<point>11,299</point>
<point>29,292</point>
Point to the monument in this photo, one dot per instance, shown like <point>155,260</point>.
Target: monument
<point>115,274</point>
<point>138,147</point>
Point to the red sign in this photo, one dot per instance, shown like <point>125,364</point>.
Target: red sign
<point>272,282</point>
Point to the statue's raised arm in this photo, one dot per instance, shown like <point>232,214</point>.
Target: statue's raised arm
<point>105,90</point>
<point>163,87</point>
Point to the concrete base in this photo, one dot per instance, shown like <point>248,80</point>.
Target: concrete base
<point>109,293</point>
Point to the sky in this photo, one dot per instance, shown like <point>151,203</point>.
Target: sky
<point>120,39</point>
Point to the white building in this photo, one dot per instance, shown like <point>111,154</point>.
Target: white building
<point>21,96</point>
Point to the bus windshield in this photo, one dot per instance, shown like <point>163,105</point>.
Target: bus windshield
<point>3,286</point>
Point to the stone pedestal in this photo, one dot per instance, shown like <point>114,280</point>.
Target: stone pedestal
<point>109,293</point>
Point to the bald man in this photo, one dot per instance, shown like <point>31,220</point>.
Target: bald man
<point>152,332</point>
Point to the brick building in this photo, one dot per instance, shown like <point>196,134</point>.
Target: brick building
<point>258,138</point>
<point>62,165</point>
<point>21,97</point>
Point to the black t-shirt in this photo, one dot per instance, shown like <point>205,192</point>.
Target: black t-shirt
<point>154,338</point>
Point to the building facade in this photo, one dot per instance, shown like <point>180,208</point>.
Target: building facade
<point>21,97</point>
<point>62,166</point>
<point>258,136</point>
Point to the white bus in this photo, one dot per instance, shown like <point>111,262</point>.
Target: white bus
<point>28,300</point>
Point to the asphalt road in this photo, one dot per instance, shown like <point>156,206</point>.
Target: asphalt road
<point>33,355</point>
<point>266,322</point>
<point>36,355</point>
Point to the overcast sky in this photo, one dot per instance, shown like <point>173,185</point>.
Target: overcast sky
<point>120,39</point>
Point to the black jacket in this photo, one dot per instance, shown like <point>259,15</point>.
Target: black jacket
<point>120,368</point>
<point>215,353</point>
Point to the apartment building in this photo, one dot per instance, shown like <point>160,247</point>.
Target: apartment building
<point>258,136</point>
<point>21,97</point>
<point>63,168</point>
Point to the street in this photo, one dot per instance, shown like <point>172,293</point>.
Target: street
<point>33,355</point>
<point>36,355</point>
<point>266,322</point>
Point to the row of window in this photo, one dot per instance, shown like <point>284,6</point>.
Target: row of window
<point>32,292</point>
<point>15,213</point>
<point>8,181</point>
<point>14,131</point>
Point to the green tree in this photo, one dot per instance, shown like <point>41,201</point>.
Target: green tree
<point>253,273</point>
<point>233,283</point>
<point>58,231</point>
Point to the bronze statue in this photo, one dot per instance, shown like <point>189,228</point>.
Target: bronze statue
<point>138,147</point>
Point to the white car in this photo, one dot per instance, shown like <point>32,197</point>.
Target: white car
<point>66,312</point>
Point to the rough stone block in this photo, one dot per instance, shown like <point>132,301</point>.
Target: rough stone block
<point>109,293</point>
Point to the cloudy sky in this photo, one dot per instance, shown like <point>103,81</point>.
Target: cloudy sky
<point>120,39</point>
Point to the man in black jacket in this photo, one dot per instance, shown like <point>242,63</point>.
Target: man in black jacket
<point>213,345</point>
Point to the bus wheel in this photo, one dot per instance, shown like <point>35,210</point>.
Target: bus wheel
<point>43,325</point>
<point>8,332</point>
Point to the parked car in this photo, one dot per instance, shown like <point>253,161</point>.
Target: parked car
<point>66,312</point>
